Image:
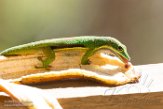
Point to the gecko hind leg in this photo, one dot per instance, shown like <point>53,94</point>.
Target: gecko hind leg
<point>50,57</point>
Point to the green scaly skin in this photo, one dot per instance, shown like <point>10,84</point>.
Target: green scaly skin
<point>93,43</point>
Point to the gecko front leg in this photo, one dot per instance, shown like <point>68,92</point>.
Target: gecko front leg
<point>50,57</point>
<point>88,53</point>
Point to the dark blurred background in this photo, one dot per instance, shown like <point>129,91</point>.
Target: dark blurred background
<point>136,23</point>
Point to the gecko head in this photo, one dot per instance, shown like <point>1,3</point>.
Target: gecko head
<point>119,49</point>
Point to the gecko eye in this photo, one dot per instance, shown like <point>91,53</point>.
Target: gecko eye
<point>120,48</point>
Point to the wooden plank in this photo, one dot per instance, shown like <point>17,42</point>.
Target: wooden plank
<point>127,101</point>
<point>82,94</point>
<point>150,81</point>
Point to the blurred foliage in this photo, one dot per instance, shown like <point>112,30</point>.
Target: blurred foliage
<point>136,23</point>
<point>24,21</point>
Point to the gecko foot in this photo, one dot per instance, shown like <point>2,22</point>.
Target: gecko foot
<point>44,65</point>
<point>88,62</point>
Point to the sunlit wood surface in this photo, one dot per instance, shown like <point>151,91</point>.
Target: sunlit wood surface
<point>83,94</point>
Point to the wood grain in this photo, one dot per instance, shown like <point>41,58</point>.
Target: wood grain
<point>27,63</point>
<point>81,94</point>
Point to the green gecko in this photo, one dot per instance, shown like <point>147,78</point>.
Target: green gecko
<point>93,43</point>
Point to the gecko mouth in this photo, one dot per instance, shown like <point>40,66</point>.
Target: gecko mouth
<point>122,58</point>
